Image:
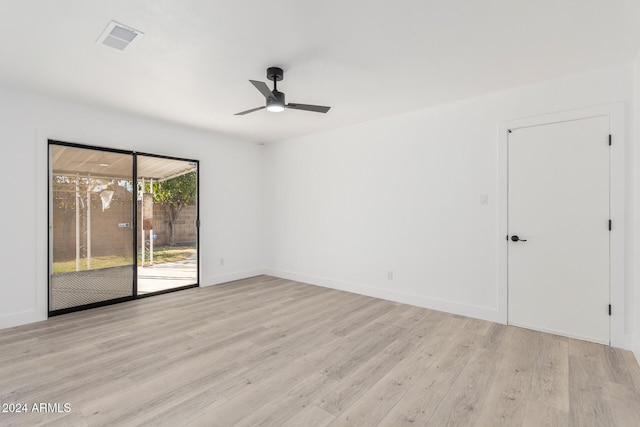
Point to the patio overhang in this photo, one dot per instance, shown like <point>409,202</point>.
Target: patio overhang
<point>112,165</point>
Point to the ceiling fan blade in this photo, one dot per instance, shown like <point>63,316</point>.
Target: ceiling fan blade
<point>307,107</point>
<point>249,111</point>
<point>263,88</point>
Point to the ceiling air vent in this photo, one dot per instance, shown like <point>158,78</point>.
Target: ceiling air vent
<point>118,36</point>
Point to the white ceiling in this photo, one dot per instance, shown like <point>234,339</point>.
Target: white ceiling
<point>365,58</point>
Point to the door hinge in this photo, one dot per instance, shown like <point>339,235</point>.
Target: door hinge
<point>198,223</point>
<point>609,309</point>
<point>609,139</point>
<point>609,225</point>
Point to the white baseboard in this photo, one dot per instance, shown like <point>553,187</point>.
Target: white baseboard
<point>476,312</point>
<point>31,316</point>
<point>21,318</point>
<point>16,319</point>
<point>230,277</point>
<point>559,333</point>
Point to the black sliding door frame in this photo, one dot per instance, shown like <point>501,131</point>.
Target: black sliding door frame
<point>134,285</point>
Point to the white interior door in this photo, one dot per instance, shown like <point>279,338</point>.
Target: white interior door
<point>559,209</point>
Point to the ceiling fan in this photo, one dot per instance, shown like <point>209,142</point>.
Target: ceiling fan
<point>275,98</point>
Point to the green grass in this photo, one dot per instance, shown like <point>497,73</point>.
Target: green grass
<point>96,263</point>
<point>160,255</point>
<point>169,254</point>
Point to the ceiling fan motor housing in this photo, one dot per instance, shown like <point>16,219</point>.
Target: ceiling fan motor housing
<point>276,104</point>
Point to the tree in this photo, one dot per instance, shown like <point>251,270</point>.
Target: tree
<point>174,194</point>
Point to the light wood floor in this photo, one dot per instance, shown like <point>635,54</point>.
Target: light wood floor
<point>267,351</point>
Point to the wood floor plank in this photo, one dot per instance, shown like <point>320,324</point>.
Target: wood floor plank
<point>420,402</point>
<point>615,367</point>
<point>507,396</point>
<point>416,408</point>
<point>494,336</point>
<point>410,364</point>
<point>266,351</point>
<point>257,394</point>
<point>47,418</point>
<point>537,414</point>
<point>588,400</point>
<point>624,404</point>
<point>550,382</point>
<point>349,388</point>
<point>284,412</point>
<point>463,402</point>
<point>310,416</point>
<point>634,369</point>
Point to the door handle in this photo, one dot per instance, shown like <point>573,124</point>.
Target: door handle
<point>516,239</point>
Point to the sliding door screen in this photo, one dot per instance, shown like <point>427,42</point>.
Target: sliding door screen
<point>92,195</point>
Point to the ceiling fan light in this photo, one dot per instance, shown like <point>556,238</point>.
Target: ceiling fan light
<point>275,107</point>
<point>275,101</point>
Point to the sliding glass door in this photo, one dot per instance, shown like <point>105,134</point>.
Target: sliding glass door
<point>91,221</point>
<point>121,225</point>
<point>167,223</point>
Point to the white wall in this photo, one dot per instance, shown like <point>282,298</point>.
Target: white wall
<point>230,191</point>
<point>402,194</point>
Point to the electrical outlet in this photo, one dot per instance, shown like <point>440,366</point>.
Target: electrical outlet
<point>484,199</point>
<point>389,275</point>
<point>221,261</point>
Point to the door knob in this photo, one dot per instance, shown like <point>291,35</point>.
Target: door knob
<point>516,239</point>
